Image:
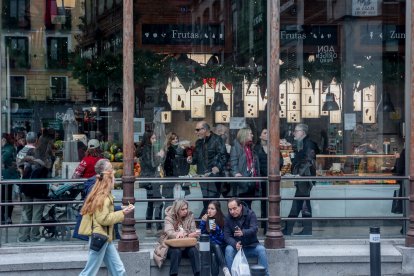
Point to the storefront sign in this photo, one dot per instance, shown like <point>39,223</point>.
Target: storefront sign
<point>366,7</point>
<point>326,54</point>
<point>164,34</point>
<point>310,35</point>
<point>378,34</point>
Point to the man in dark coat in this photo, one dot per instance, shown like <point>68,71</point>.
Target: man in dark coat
<point>303,164</point>
<point>240,231</point>
<point>210,156</point>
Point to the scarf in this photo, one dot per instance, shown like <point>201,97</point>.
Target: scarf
<point>249,158</point>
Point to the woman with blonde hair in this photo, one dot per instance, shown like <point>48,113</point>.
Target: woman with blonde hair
<point>179,223</point>
<point>99,208</point>
<point>244,163</point>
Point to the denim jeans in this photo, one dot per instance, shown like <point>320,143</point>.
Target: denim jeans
<point>109,255</point>
<point>259,251</point>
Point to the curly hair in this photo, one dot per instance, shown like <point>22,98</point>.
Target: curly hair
<point>175,209</point>
<point>101,190</point>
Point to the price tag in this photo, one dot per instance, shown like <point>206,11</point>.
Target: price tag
<point>375,238</point>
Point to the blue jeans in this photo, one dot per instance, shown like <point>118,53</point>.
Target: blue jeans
<point>259,251</point>
<point>109,255</point>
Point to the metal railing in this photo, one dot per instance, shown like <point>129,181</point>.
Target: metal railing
<point>232,180</point>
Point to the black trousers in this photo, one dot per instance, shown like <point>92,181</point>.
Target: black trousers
<point>175,255</point>
<point>157,211</point>
<point>217,258</point>
<point>299,206</point>
<point>6,189</point>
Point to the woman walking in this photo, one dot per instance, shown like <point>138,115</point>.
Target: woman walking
<point>99,206</point>
<point>244,163</point>
<point>212,224</point>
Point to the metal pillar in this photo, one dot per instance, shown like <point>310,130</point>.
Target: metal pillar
<point>409,240</point>
<point>274,237</point>
<point>129,239</point>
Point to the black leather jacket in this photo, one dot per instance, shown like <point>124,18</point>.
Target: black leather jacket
<point>210,152</point>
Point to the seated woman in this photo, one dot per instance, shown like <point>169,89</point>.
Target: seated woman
<point>180,223</point>
<point>212,223</point>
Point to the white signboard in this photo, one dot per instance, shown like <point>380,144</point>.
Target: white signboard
<point>366,7</point>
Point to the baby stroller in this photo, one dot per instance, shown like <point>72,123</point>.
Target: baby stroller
<point>54,213</point>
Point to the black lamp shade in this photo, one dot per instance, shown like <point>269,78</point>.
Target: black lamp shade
<point>330,103</point>
<point>219,104</point>
<point>388,106</point>
<point>164,103</point>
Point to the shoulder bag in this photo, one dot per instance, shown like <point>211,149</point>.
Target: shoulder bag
<point>98,240</point>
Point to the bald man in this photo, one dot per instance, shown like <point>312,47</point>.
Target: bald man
<point>210,156</point>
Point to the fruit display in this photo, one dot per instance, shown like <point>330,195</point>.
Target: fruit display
<point>112,151</point>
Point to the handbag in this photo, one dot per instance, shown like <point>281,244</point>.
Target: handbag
<point>97,241</point>
<point>183,242</point>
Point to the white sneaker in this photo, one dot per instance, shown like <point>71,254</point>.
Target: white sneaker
<point>226,271</point>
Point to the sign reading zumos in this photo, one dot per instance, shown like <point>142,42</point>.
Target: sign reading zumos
<point>164,34</point>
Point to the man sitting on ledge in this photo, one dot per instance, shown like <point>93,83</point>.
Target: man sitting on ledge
<point>240,231</point>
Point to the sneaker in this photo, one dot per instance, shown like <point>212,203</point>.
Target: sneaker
<point>148,231</point>
<point>226,271</point>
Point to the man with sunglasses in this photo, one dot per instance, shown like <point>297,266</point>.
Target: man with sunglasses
<point>210,156</point>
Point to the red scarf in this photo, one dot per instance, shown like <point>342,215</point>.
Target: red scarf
<point>249,157</point>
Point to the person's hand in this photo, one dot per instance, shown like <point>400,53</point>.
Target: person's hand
<point>194,235</point>
<point>180,235</point>
<point>215,170</point>
<point>128,209</point>
<point>238,246</point>
<point>238,233</point>
<point>190,159</point>
<point>205,217</point>
<point>238,175</point>
<point>161,153</point>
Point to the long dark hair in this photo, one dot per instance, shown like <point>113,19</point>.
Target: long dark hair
<point>219,217</point>
<point>146,139</point>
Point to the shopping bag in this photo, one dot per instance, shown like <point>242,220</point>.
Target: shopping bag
<point>240,266</point>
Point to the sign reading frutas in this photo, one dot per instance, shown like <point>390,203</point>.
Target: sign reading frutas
<point>165,34</point>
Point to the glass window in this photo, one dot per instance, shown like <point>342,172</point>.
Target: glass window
<point>16,14</point>
<point>18,51</point>
<point>57,52</point>
<point>59,87</point>
<point>17,87</point>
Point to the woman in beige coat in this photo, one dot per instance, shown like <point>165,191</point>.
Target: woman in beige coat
<point>179,223</point>
<point>99,207</point>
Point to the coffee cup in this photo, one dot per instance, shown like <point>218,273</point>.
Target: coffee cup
<point>211,222</point>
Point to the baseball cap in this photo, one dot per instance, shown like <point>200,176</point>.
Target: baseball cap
<point>93,144</point>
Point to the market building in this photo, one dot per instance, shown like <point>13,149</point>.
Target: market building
<point>340,67</point>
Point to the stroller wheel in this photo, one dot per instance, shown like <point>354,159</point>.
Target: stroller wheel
<point>48,232</point>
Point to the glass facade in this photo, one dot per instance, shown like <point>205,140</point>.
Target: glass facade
<point>200,67</point>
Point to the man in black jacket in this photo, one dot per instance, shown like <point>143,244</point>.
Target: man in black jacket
<point>210,156</point>
<point>303,164</point>
<point>240,231</point>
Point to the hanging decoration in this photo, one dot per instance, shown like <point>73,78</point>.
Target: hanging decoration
<point>368,105</point>
<point>310,98</point>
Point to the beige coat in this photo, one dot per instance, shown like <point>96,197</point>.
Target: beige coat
<point>170,232</point>
<point>102,220</point>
